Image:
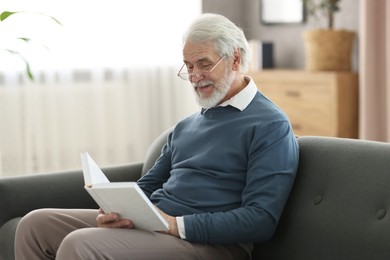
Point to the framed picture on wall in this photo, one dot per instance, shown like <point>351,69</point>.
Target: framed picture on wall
<point>282,11</point>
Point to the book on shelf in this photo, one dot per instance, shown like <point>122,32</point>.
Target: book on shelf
<point>261,55</point>
<point>124,198</point>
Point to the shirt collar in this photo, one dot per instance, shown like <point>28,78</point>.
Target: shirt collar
<point>243,98</point>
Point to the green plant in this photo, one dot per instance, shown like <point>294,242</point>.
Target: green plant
<point>322,8</point>
<point>6,14</point>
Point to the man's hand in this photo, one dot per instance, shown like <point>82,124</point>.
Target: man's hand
<point>173,229</point>
<point>112,220</point>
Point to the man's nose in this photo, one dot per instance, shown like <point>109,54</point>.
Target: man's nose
<point>197,74</point>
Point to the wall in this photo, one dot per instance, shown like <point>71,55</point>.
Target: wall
<point>287,39</point>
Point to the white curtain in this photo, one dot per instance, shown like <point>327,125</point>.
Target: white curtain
<point>110,96</point>
<point>45,127</point>
<point>375,70</point>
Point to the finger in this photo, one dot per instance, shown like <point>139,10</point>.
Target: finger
<point>121,223</point>
<point>112,220</point>
<point>102,219</point>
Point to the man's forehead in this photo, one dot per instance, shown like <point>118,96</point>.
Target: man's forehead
<point>198,52</point>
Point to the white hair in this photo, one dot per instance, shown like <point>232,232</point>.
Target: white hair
<point>223,33</point>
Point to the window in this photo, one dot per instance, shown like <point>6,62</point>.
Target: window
<point>97,33</point>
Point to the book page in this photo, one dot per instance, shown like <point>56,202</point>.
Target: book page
<point>92,172</point>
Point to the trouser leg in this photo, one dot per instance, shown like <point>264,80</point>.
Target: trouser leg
<point>134,244</point>
<point>40,233</point>
<point>72,234</point>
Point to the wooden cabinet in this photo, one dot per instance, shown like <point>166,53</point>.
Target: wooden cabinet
<point>317,103</point>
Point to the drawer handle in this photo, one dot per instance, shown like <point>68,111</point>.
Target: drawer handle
<point>293,93</point>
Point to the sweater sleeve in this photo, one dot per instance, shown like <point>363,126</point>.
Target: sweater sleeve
<point>272,165</point>
<point>159,173</point>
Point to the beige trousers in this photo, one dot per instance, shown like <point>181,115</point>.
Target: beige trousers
<point>65,234</point>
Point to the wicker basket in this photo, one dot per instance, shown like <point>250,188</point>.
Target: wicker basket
<point>328,49</point>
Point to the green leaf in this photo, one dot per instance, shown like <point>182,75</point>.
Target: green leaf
<point>11,51</point>
<point>4,15</point>
<point>24,39</point>
<point>28,68</point>
<point>28,71</point>
<point>51,17</point>
<point>27,40</point>
<point>56,20</point>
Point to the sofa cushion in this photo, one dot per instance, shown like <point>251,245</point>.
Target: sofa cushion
<point>339,205</point>
<point>7,231</point>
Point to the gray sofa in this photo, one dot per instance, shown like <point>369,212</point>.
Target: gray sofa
<point>339,207</point>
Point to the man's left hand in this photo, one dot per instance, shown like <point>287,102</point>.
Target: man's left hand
<point>173,229</point>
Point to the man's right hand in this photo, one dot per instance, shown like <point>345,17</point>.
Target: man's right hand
<point>112,220</point>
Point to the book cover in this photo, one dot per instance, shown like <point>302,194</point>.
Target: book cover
<point>124,198</point>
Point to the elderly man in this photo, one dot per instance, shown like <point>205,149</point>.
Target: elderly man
<point>221,181</point>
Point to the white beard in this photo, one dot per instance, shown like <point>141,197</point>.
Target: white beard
<point>221,89</point>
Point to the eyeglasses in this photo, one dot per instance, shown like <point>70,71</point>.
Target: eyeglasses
<point>201,71</point>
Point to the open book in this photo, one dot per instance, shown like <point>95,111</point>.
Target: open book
<point>124,198</point>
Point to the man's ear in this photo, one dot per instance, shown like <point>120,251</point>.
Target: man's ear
<point>236,60</point>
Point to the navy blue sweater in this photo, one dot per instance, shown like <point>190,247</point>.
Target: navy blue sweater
<point>227,172</point>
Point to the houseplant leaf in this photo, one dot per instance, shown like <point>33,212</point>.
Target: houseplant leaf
<point>4,15</point>
<point>28,68</point>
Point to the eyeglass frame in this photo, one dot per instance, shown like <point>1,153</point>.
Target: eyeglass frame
<point>189,75</point>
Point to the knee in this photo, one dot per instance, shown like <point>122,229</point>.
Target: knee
<point>76,246</point>
<point>32,220</point>
<point>30,229</point>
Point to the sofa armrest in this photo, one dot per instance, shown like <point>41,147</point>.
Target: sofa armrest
<point>21,194</point>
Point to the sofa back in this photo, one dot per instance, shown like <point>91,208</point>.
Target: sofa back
<point>154,151</point>
<point>339,207</point>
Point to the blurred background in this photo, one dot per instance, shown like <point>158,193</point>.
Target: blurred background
<point>104,80</point>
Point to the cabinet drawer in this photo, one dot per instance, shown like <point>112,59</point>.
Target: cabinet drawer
<point>308,96</point>
<point>317,103</point>
<point>310,111</point>
<point>311,122</point>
